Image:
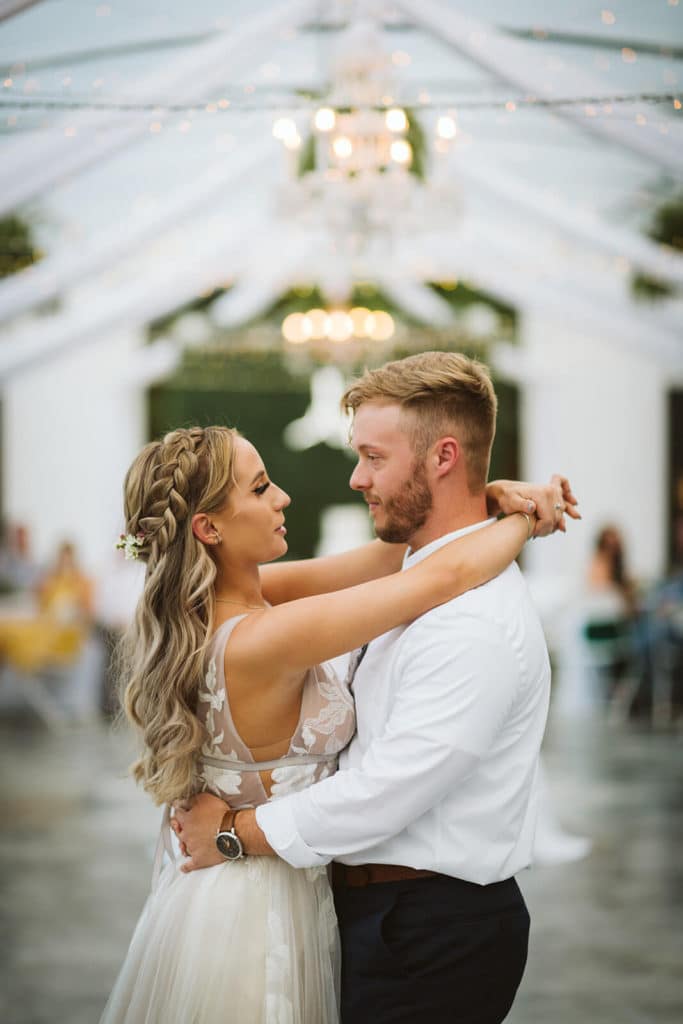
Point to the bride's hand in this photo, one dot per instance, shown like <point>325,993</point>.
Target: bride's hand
<point>551,502</point>
<point>195,823</point>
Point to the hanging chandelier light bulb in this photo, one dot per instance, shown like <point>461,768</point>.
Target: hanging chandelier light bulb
<point>319,321</point>
<point>296,328</point>
<point>325,119</point>
<point>380,325</point>
<point>343,147</point>
<point>401,152</point>
<point>359,318</point>
<point>340,326</point>
<point>396,120</point>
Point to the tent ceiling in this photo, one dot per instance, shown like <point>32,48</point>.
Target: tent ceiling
<point>561,193</point>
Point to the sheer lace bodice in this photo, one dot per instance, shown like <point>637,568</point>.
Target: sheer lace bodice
<point>227,767</point>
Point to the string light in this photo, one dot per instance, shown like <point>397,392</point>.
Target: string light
<point>67,103</point>
<point>400,58</point>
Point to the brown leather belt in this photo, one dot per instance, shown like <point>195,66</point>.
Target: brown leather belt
<point>356,876</point>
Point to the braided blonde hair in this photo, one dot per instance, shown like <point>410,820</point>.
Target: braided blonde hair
<point>162,657</point>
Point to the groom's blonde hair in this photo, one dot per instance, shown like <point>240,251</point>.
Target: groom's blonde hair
<point>440,393</point>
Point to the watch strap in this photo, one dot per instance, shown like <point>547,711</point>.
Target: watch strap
<point>228,826</point>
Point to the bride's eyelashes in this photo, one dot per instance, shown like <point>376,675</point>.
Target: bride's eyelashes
<point>262,489</point>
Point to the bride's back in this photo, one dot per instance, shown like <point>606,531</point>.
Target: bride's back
<point>241,773</point>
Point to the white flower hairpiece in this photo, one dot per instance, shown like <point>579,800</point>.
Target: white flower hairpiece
<point>130,545</point>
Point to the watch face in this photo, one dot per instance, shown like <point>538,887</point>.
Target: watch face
<point>229,845</point>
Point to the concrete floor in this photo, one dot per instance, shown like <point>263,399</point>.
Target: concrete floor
<point>76,842</point>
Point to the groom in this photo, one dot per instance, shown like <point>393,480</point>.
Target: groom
<point>433,810</point>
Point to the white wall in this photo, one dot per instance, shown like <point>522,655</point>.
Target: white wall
<point>597,414</point>
<point>71,427</point>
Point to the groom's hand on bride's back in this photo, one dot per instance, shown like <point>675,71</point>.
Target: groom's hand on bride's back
<point>551,502</point>
<point>196,823</point>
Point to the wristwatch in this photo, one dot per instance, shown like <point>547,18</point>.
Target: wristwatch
<point>228,842</point>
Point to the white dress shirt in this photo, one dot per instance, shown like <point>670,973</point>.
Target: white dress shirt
<point>442,772</point>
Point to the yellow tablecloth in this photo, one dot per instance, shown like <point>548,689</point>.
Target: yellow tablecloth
<point>32,644</point>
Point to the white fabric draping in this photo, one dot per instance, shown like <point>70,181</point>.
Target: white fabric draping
<point>56,274</point>
<point>571,220</point>
<point>35,163</point>
<point>524,67</point>
<point>165,288</point>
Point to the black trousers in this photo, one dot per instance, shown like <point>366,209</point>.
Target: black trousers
<point>431,951</point>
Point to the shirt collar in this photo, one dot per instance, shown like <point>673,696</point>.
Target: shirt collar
<point>411,558</point>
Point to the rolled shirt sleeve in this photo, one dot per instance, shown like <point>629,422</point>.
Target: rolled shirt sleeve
<point>454,682</point>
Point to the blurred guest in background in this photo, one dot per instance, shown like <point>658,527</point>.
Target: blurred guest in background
<point>65,596</point>
<point>18,571</point>
<point>607,574</point>
<point>659,638</point>
<point>610,612</point>
<point>47,654</point>
<point>65,593</point>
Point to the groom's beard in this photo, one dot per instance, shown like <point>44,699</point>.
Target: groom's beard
<point>406,512</point>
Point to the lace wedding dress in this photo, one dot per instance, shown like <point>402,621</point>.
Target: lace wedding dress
<point>254,941</point>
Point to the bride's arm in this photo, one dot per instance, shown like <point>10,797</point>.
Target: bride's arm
<point>281,642</point>
<point>289,581</point>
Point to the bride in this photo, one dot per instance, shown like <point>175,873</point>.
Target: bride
<point>221,709</point>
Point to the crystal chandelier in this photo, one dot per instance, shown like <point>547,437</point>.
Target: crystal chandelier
<point>362,167</point>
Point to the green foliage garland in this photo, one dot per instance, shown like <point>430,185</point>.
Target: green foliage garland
<point>667,229</point>
<point>17,248</point>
